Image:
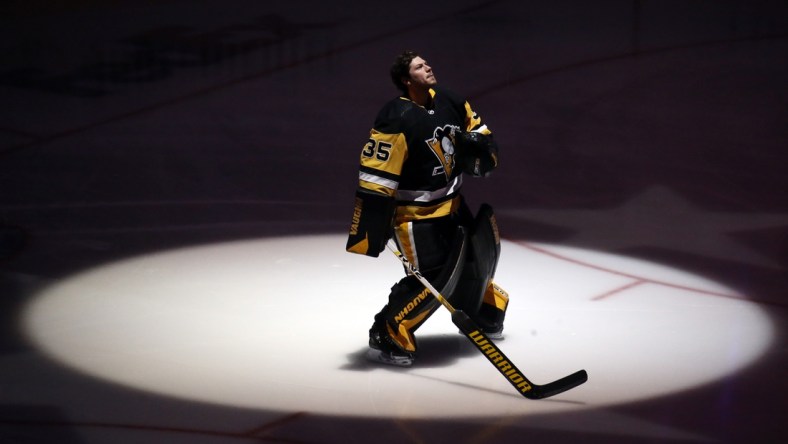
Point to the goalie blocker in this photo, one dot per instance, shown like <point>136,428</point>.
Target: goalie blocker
<point>372,224</point>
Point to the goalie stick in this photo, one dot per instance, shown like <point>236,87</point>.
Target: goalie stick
<point>493,354</point>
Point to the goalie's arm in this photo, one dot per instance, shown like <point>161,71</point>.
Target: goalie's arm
<point>476,150</point>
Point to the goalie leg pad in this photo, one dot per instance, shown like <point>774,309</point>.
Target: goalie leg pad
<point>411,304</point>
<point>481,263</point>
<point>492,313</point>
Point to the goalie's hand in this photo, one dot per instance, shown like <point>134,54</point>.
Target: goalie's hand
<point>476,153</point>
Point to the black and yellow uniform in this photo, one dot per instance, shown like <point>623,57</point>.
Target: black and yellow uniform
<point>409,187</point>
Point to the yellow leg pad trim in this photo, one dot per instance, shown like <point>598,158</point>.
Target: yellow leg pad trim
<point>403,233</point>
<point>496,296</point>
<point>403,335</point>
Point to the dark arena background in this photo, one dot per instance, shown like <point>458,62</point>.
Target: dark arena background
<point>176,186</point>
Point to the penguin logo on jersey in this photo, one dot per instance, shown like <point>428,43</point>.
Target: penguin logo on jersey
<point>442,145</point>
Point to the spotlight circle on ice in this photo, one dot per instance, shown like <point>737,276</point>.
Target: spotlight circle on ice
<point>281,324</point>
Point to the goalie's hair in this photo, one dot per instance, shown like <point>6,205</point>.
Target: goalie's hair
<point>401,69</point>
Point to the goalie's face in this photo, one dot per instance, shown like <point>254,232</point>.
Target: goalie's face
<point>421,75</point>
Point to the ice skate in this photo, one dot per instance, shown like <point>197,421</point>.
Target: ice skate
<point>383,350</point>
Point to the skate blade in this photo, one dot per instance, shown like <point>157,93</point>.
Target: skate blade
<point>385,358</point>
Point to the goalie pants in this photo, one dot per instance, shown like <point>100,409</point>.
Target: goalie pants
<point>428,244</point>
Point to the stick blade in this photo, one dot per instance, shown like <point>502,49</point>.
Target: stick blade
<point>496,357</point>
<point>558,386</point>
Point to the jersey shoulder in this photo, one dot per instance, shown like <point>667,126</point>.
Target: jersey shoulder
<point>445,98</point>
<point>393,118</point>
<point>448,95</point>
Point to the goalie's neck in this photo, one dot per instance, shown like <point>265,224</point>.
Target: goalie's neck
<point>421,97</point>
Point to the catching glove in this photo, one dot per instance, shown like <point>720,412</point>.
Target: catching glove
<point>477,153</point>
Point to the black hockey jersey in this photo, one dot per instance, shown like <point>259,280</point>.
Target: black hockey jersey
<point>410,154</point>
